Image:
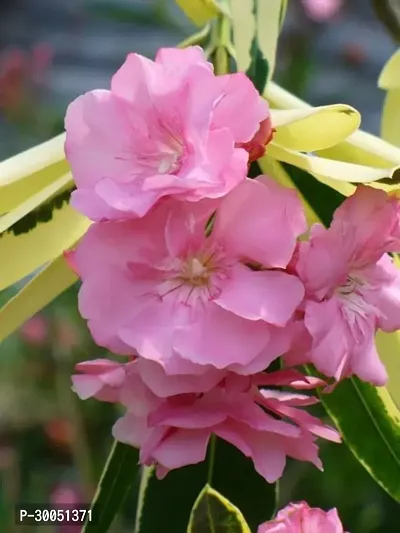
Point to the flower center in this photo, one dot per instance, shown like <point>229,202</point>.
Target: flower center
<point>166,158</point>
<point>353,295</point>
<point>195,272</point>
<point>171,158</point>
<point>351,285</point>
<point>196,276</point>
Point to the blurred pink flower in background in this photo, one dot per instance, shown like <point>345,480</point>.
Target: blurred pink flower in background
<point>66,494</point>
<point>21,73</point>
<point>68,335</point>
<point>34,331</point>
<point>322,10</point>
<point>59,432</point>
<point>301,518</point>
<point>41,59</point>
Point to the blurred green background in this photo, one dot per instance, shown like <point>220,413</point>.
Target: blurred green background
<point>53,446</point>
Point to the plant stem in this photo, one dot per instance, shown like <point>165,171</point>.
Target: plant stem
<point>211,458</point>
<point>68,404</point>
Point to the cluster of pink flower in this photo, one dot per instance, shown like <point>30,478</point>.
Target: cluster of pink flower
<point>196,274</point>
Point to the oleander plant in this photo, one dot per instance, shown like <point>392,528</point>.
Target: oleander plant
<point>237,256</point>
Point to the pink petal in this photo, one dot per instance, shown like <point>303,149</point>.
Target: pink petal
<point>279,343</point>
<point>89,204</point>
<point>96,125</point>
<point>130,429</point>
<point>86,386</point>
<point>268,457</point>
<point>186,225</point>
<point>330,334</point>
<point>186,417</point>
<point>289,377</point>
<point>164,385</point>
<point>131,81</point>
<point>246,216</point>
<point>320,266</point>
<point>181,59</point>
<point>317,520</point>
<point>285,399</point>
<point>181,448</point>
<point>136,396</point>
<point>125,201</point>
<point>153,332</point>
<point>372,218</point>
<point>303,449</point>
<point>238,89</point>
<point>365,362</point>
<point>271,296</point>
<point>384,277</point>
<point>97,366</point>
<point>220,338</point>
<point>310,423</point>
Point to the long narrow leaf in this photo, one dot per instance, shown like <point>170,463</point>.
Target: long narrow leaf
<point>25,174</point>
<point>256,38</point>
<point>120,474</point>
<point>34,202</point>
<point>39,292</point>
<point>28,252</point>
<point>369,421</point>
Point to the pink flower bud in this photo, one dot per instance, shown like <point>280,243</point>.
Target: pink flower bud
<point>256,147</point>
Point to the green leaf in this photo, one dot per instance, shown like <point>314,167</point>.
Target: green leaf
<point>168,502</point>
<point>41,214</point>
<point>256,27</point>
<point>212,513</point>
<point>200,12</point>
<point>282,17</point>
<point>388,12</point>
<point>226,469</point>
<point>120,475</point>
<point>259,68</point>
<point>235,477</point>
<point>369,422</point>
<point>366,416</point>
<point>322,198</point>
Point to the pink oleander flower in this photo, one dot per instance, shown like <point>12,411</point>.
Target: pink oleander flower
<point>159,286</point>
<point>166,127</point>
<point>322,10</point>
<point>301,518</point>
<point>352,285</point>
<point>172,420</point>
